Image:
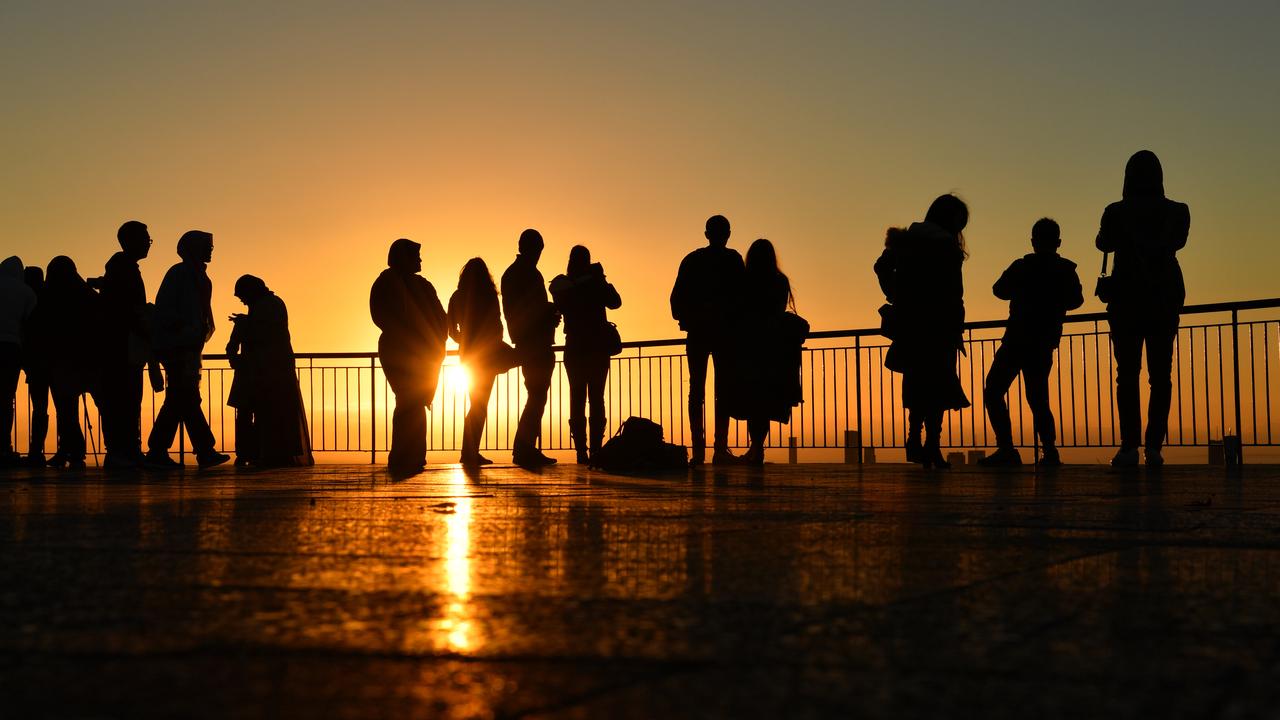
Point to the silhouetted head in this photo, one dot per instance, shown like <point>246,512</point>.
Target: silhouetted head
<point>62,273</point>
<point>762,258</point>
<point>11,269</point>
<point>579,260</point>
<point>951,214</point>
<point>1046,236</point>
<point>530,244</point>
<point>249,288</point>
<point>1143,176</point>
<point>196,246</point>
<point>134,239</point>
<point>717,231</point>
<point>405,256</point>
<point>34,277</point>
<point>475,278</point>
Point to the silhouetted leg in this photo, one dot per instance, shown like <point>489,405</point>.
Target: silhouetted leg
<point>577,368</point>
<point>38,391</point>
<point>722,389</point>
<point>10,367</point>
<point>1126,345</point>
<point>246,436</point>
<point>181,404</point>
<point>758,431</point>
<point>477,413</point>
<point>1004,370</point>
<point>698,353</point>
<point>66,402</point>
<point>596,383</point>
<point>119,399</point>
<point>933,438</point>
<point>1159,339</point>
<point>539,363</point>
<point>1035,380</point>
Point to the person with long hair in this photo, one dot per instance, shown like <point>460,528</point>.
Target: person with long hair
<point>1144,296</point>
<point>920,273</point>
<point>68,324</point>
<point>583,296</point>
<point>771,339</point>
<point>35,365</point>
<point>475,323</point>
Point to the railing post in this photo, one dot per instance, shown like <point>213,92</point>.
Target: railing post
<point>1235,362</point>
<point>857,393</point>
<point>373,411</point>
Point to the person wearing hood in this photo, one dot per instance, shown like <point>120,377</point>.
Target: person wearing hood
<point>271,422</point>
<point>1144,296</point>
<point>1041,288</point>
<point>35,368</point>
<point>183,323</point>
<point>583,296</point>
<point>921,275</point>
<point>405,307</point>
<point>16,303</point>
<point>69,327</point>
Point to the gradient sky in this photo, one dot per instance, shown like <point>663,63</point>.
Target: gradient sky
<point>307,136</point>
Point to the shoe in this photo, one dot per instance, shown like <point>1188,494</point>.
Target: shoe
<point>242,462</point>
<point>532,458</point>
<point>76,464</point>
<point>915,451</point>
<point>117,462</point>
<point>160,461</point>
<point>1125,458</point>
<point>1049,457</point>
<point>10,459</point>
<point>57,460</point>
<point>1002,457</point>
<point>583,457</point>
<point>35,459</point>
<point>697,456</point>
<point>753,457</point>
<point>933,459</point>
<point>1154,459</point>
<point>724,457</point>
<point>212,459</point>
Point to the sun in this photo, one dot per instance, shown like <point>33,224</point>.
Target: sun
<point>456,377</point>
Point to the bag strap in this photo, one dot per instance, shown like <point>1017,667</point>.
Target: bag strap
<point>1105,255</point>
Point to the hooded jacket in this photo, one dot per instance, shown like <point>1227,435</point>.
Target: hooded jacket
<point>17,300</point>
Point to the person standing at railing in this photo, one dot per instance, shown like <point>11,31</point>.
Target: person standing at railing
<point>68,324</point>
<point>405,307</point>
<point>921,275</point>
<point>183,324</point>
<point>583,296</point>
<point>271,423</point>
<point>16,303</point>
<point>770,340</point>
<point>1041,288</point>
<point>475,323</point>
<point>1144,296</point>
<point>35,367</point>
<point>704,303</point>
<point>532,322</point>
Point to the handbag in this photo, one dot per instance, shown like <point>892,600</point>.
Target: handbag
<point>888,321</point>
<point>611,339</point>
<point>1105,289</point>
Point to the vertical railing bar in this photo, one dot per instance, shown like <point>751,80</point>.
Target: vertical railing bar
<point>1235,361</point>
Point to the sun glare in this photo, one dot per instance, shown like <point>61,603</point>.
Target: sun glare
<point>456,377</point>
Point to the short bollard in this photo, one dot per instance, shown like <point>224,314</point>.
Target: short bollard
<point>868,456</point>
<point>955,458</point>
<point>976,455</point>
<point>793,454</point>
<point>1232,452</point>
<point>852,447</point>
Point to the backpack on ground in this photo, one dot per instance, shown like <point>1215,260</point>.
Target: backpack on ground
<point>638,446</point>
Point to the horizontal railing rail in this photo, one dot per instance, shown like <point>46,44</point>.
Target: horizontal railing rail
<point>1224,377</point>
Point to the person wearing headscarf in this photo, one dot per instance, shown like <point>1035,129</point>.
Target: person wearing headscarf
<point>69,326</point>
<point>405,307</point>
<point>183,323</point>
<point>921,275</point>
<point>35,368</point>
<point>583,296</point>
<point>475,323</point>
<point>1145,230</point>
<point>16,303</point>
<point>271,422</point>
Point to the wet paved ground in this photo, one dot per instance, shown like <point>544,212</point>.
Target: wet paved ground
<point>799,591</point>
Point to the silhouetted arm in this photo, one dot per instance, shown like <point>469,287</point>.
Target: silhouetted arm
<point>1073,295</point>
<point>1180,226</point>
<point>1007,285</point>
<point>1109,236</point>
<point>680,291</point>
<point>612,300</point>
<point>886,269</point>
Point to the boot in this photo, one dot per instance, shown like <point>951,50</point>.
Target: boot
<point>39,431</point>
<point>915,450</point>
<point>598,426</point>
<point>578,433</point>
<point>933,443</point>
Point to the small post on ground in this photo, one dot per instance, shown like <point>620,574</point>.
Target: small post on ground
<point>793,454</point>
<point>852,447</point>
<point>373,411</point>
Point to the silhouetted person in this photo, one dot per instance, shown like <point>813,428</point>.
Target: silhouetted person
<point>183,324</point>
<point>125,347</point>
<point>16,303</point>
<point>532,321</point>
<point>703,302</point>
<point>1145,230</point>
<point>271,423</point>
<point>68,329</point>
<point>405,306</point>
<point>1041,288</point>
<point>770,342</point>
<point>920,272</point>
<point>35,368</point>
<point>583,295</point>
<point>475,323</point>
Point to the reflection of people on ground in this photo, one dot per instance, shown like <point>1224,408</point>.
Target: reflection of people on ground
<point>34,367</point>
<point>183,324</point>
<point>532,321</point>
<point>920,272</point>
<point>405,306</point>
<point>475,322</point>
<point>125,347</point>
<point>67,329</point>
<point>17,301</point>
<point>702,301</point>
<point>271,423</point>
<point>1040,287</point>
<point>583,295</point>
<point>770,341</point>
<point>1145,230</point>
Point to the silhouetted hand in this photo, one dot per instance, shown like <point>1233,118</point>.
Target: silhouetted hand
<point>236,317</point>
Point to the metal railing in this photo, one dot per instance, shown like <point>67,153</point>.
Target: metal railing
<point>1222,385</point>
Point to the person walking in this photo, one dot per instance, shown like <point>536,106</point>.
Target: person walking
<point>532,322</point>
<point>921,275</point>
<point>405,306</point>
<point>271,422</point>
<point>1041,288</point>
<point>1144,296</point>
<point>583,296</point>
<point>183,324</point>
<point>475,323</point>
<point>703,302</point>
<point>17,301</point>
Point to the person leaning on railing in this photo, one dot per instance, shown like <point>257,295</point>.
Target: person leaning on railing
<point>1144,296</point>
